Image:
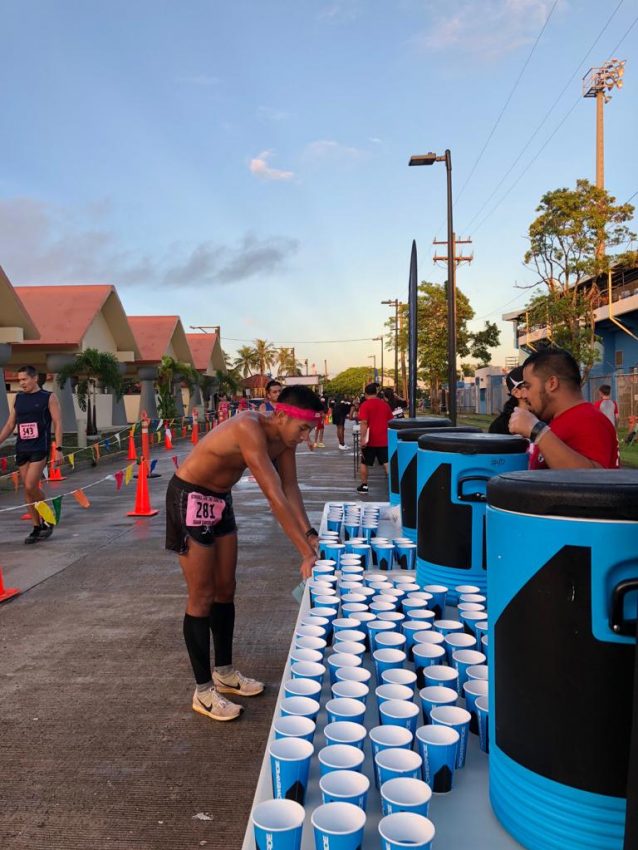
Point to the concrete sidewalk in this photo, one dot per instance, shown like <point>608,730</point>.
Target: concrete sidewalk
<point>99,748</point>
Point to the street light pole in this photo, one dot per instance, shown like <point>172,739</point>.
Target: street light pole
<point>394,302</point>
<point>381,339</point>
<point>430,159</point>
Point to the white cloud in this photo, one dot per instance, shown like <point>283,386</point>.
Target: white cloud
<point>260,168</point>
<point>41,244</point>
<point>486,29</point>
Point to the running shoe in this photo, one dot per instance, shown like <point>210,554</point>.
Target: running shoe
<point>344,448</point>
<point>321,445</point>
<point>212,704</point>
<point>237,683</point>
<point>34,536</point>
<point>46,530</point>
<point>362,488</point>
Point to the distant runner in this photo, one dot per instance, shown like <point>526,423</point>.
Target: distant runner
<point>200,527</point>
<point>34,411</point>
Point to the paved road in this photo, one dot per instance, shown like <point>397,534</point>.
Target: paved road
<point>99,748</point>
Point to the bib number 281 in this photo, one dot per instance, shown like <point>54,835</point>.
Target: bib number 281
<point>204,510</point>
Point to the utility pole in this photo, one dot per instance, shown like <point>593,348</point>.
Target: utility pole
<point>394,302</point>
<point>452,262</point>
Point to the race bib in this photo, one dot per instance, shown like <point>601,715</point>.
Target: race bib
<point>204,510</point>
<point>28,431</point>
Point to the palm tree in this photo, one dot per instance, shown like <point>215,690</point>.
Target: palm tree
<point>266,355</point>
<point>91,366</point>
<point>168,373</point>
<point>286,362</point>
<point>246,360</point>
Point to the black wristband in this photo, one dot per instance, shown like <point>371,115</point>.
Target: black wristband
<point>312,532</point>
<point>536,430</point>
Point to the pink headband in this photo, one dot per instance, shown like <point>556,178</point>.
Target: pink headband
<point>298,412</point>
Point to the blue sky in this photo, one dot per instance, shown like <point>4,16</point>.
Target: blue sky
<point>245,163</point>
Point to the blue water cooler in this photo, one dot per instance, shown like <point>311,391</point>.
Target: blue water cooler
<point>452,475</point>
<point>407,445</point>
<point>562,548</point>
<point>394,426</point>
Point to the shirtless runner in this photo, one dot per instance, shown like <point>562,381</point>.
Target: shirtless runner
<point>200,527</point>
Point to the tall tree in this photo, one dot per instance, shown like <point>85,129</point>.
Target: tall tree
<point>350,382</point>
<point>287,364</point>
<point>265,354</point>
<point>246,360</point>
<point>169,372</point>
<point>565,242</point>
<point>92,367</point>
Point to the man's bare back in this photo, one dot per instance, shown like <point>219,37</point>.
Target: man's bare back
<point>219,460</point>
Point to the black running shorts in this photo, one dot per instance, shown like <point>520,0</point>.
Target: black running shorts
<point>195,513</point>
<point>370,453</point>
<point>29,457</point>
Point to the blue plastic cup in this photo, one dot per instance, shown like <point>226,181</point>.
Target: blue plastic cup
<point>445,627</point>
<point>422,615</point>
<point>311,655</point>
<point>356,635</point>
<point>395,617</point>
<point>480,629</point>
<point>302,688</point>
<point>338,826</point>
<point>400,676</point>
<point>332,552</point>
<point>405,794</point>
<point>309,642</point>
<point>340,757</point>
<point>428,635</point>
<point>433,695</point>
<point>300,706</point>
<point>482,709</point>
<point>438,746</point>
<point>289,768</point>
<point>440,674</point>
<point>350,690</point>
<point>393,763</point>
<point>278,824</point>
<point>345,732</point>
<point>390,640</point>
<point>369,532</point>
<point>308,670</point>
<point>387,659</point>
<point>319,589</point>
<point>342,623</point>
<point>455,641</point>
<point>406,829</point>
<point>478,671</point>
<point>408,603</point>
<point>470,620</point>
<point>464,658</point>
<point>334,523</point>
<point>425,654</point>
<point>349,608</point>
<point>472,691</point>
<point>350,529</point>
<point>352,647</point>
<point>395,712</point>
<point>345,709</point>
<point>364,550</point>
<point>462,589</point>
<point>310,631</point>
<point>458,719</point>
<point>385,556</point>
<point>353,674</point>
<point>439,594</point>
<point>386,691</point>
<point>345,786</point>
<point>379,606</point>
<point>294,727</point>
<point>376,626</point>
<point>388,737</point>
<point>341,659</point>
<point>406,556</point>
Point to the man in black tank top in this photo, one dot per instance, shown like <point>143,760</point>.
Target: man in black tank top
<point>34,411</point>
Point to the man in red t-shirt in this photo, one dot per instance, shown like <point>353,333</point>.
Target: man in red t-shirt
<point>566,431</point>
<point>374,415</point>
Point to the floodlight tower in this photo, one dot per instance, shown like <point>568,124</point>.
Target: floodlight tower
<point>598,83</point>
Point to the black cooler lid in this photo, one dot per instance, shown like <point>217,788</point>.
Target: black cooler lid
<point>473,444</point>
<point>413,434</point>
<point>424,422</point>
<point>585,493</point>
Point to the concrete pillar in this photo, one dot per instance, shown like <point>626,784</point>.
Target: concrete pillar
<point>177,395</point>
<point>148,376</point>
<point>119,411</point>
<point>54,363</point>
<point>195,400</point>
<point>5,354</point>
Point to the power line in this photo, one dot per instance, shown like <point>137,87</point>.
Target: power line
<point>302,341</point>
<point>507,102</point>
<point>631,26</point>
<point>546,116</point>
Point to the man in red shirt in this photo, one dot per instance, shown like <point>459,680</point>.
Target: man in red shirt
<point>566,431</point>
<point>374,415</point>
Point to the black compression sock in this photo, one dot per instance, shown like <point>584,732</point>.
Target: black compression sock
<point>197,637</point>
<point>222,625</point>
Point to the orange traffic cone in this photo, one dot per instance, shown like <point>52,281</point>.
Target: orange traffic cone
<point>132,452</point>
<point>54,472</point>
<point>195,432</point>
<point>6,592</point>
<point>142,500</point>
<point>168,443</point>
